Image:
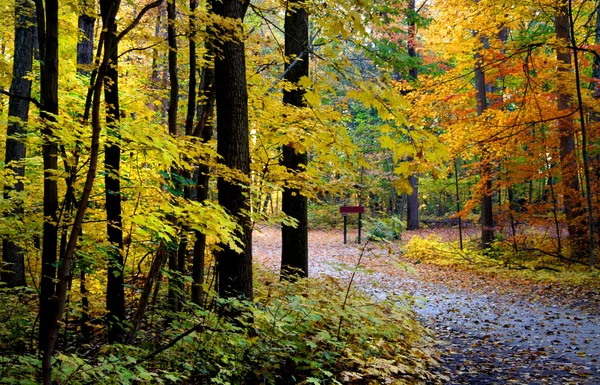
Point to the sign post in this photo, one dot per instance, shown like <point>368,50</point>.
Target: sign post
<point>345,210</point>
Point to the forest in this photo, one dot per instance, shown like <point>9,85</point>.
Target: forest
<point>173,172</point>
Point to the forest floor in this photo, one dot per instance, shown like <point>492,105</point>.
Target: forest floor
<point>490,328</point>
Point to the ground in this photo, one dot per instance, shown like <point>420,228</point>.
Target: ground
<point>490,328</point>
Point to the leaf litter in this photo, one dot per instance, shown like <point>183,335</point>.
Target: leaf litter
<point>489,329</point>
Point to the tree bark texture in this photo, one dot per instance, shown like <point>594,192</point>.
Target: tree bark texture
<point>412,204</point>
<point>203,129</point>
<point>487,216</point>
<point>568,159</point>
<point>47,22</point>
<point>234,268</point>
<point>85,58</point>
<point>294,246</point>
<point>115,294</point>
<point>13,271</point>
<point>412,207</point>
<point>85,45</point>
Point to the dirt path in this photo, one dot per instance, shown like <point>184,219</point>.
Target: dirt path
<point>491,330</point>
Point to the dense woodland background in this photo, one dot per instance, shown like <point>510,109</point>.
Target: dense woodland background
<point>142,142</point>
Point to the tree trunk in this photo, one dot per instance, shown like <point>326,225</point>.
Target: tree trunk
<point>85,57</point>
<point>412,204</point>
<point>115,294</point>
<point>294,246</point>
<point>234,268</point>
<point>85,46</point>
<point>13,271</point>
<point>487,217</point>
<point>568,160</point>
<point>47,22</point>
<point>205,130</point>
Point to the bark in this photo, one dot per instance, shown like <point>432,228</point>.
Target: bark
<point>412,206</point>
<point>205,130</point>
<point>115,294</point>
<point>176,266</point>
<point>584,146</point>
<point>294,247</point>
<point>13,271</point>
<point>85,45</point>
<point>47,22</point>
<point>487,217</point>
<point>568,160</point>
<point>234,268</point>
<point>85,57</point>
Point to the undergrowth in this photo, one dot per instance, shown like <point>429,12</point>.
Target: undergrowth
<point>304,332</point>
<point>502,258</point>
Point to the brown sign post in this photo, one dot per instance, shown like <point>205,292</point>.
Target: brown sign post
<point>345,210</point>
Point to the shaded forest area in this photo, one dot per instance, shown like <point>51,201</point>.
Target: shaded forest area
<point>143,143</point>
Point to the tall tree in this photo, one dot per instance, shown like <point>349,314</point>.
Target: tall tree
<point>487,217</point>
<point>115,294</point>
<point>294,246</point>
<point>412,207</point>
<point>13,273</point>
<point>47,23</point>
<point>234,267</point>
<point>174,264</point>
<point>567,133</point>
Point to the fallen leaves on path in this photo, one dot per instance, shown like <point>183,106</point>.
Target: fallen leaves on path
<point>493,329</point>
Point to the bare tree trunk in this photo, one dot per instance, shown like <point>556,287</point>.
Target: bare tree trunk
<point>568,159</point>
<point>13,271</point>
<point>204,130</point>
<point>294,246</point>
<point>487,217</point>
<point>115,294</point>
<point>234,268</point>
<point>412,204</point>
<point>47,22</point>
<point>85,57</point>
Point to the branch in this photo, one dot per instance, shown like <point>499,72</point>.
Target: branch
<point>138,18</point>
<point>140,48</point>
<point>26,98</point>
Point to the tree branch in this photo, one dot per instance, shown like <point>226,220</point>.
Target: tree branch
<point>138,18</point>
<point>26,98</point>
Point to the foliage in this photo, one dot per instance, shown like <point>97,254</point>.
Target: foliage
<point>300,332</point>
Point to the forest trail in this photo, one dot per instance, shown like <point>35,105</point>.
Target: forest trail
<point>491,330</point>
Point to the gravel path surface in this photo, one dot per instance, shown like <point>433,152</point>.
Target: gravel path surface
<point>491,330</point>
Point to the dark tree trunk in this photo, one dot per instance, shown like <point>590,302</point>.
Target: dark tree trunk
<point>205,130</point>
<point>115,294</point>
<point>568,159</point>
<point>85,57</point>
<point>294,246</point>
<point>85,46</point>
<point>412,206</point>
<point>487,217</point>
<point>234,268</point>
<point>176,264</point>
<point>47,22</point>
<point>13,273</point>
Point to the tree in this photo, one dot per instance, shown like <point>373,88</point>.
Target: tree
<point>13,271</point>
<point>115,295</point>
<point>570,179</point>
<point>412,207</point>
<point>47,24</point>
<point>294,247</point>
<point>234,266</point>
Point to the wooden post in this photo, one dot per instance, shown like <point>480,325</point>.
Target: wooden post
<point>359,226</point>
<point>345,227</point>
